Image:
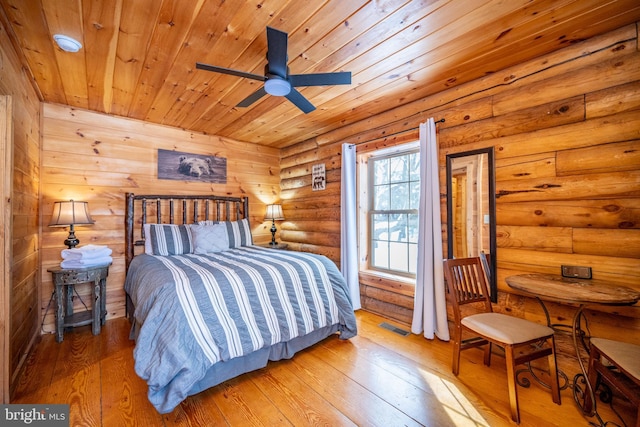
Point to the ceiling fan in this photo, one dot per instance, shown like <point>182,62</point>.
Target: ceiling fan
<point>277,80</point>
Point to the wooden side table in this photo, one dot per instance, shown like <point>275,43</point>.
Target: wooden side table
<point>64,280</point>
<point>556,288</point>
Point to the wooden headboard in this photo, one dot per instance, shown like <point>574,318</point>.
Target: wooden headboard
<point>176,209</point>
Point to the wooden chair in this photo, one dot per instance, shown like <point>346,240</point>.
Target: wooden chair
<point>486,264</point>
<point>621,371</point>
<point>522,340</point>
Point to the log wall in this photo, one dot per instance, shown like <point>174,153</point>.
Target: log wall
<point>22,319</point>
<point>565,127</point>
<point>98,158</point>
<point>566,133</point>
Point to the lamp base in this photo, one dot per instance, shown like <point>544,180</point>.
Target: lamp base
<point>71,241</point>
<point>273,233</point>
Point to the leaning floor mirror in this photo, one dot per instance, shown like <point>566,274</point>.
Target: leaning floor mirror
<point>471,209</point>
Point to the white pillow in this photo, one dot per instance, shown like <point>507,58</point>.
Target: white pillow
<point>209,238</point>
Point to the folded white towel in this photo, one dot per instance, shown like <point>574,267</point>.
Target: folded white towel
<point>86,252</point>
<point>83,263</point>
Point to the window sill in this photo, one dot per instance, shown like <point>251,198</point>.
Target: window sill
<point>397,284</point>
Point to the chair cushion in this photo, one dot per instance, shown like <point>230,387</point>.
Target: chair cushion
<point>625,355</point>
<point>507,329</point>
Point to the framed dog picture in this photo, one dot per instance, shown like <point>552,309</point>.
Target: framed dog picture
<point>318,177</point>
<point>180,166</point>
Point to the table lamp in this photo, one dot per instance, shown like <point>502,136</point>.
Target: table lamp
<point>68,214</point>
<point>274,212</point>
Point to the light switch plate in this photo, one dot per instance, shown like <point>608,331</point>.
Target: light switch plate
<point>576,272</point>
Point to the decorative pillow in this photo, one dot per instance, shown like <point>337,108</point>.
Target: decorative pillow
<point>167,239</point>
<point>239,232</point>
<point>209,238</point>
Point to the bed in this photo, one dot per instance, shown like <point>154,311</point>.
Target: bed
<point>207,305</point>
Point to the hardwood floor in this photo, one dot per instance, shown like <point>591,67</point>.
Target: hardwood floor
<point>379,378</point>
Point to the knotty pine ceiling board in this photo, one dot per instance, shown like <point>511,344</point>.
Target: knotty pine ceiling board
<point>138,57</point>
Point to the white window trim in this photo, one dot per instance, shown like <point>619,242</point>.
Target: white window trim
<point>364,231</point>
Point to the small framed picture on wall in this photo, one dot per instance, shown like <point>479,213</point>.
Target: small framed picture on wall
<point>318,179</point>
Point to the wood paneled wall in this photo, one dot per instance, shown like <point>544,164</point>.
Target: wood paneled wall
<point>98,158</point>
<point>566,132</point>
<point>23,317</point>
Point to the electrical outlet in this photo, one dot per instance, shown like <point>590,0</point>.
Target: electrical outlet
<point>576,272</point>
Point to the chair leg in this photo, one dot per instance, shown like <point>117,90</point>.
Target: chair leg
<point>553,371</point>
<point>457,343</point>
<point>511,381</point>
<point>487,354</point>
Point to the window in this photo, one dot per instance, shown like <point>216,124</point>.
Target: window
<point>393,188</point>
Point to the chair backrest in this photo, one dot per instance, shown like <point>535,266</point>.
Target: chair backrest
<point>466,283</point>
<point>486,263</point>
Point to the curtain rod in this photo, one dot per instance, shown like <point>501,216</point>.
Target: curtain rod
<point>442,120</point>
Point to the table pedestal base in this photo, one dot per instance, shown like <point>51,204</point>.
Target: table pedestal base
<point>580,384</point>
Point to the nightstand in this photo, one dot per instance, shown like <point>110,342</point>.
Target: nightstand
<point>64,280</point>
<point>282,246</point>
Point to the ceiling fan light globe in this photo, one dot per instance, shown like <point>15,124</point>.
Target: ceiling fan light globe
<point>277,87</point>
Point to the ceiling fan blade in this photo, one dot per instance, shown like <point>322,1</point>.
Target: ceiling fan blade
<point>321,79</point>
<point>222,70</point>
<point>277,52</point>
<point>300,101</point>
<point>252,98</point>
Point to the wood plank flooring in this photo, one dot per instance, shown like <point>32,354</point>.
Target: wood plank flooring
<point>379,378</point>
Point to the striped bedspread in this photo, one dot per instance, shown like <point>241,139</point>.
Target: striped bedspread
<point>194,311</point>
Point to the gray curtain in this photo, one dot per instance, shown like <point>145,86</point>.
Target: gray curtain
<point>348,224</point>
<point>430,306</point>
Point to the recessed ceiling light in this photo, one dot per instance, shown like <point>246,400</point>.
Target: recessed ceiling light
<point>67,43</point>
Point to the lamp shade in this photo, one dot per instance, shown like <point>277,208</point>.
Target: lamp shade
<point>70,213</point>
<point>274,212</point>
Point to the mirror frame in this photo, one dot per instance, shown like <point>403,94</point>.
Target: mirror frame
<point>493,283</point>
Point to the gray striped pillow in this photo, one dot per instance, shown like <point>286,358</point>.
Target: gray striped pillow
<point>239,232</point>
<point>168,239</point>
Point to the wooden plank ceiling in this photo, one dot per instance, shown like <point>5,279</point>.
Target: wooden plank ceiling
<point>138,57</point>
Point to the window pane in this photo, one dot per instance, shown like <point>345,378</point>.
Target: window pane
<point>398,227</point>
<point>399,168</point>
<point>414,198</point>
<point>399,194</point>
<point>414,168</point>
<point>381,198</point>
<point>399,256</point>
<point>380,227</point>
<point>412,227</point>
<point>413,258</point>
<point>381,171</point>
<point>380,256</point>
